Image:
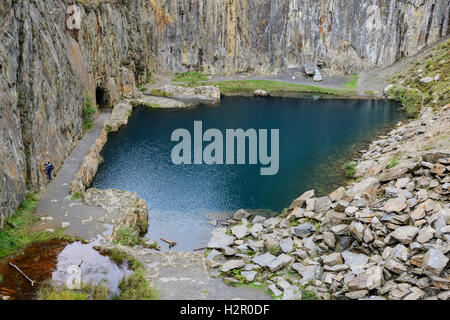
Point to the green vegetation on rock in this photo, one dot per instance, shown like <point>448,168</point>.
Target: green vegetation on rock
<point>136,287</point>
<point>350,169</point>
<point>77,195</point>
<point>309,295</point>
<point>50,291</point>
<point>121,256</point>
<point>17,232</point>
<point>160,93</point>
<point>410,99</point>
<point>149,77</point>
<point>424,83</point>
<point>394,161</point>
<point>352,83</point>
<point>190,77</point>
<point>126,236</point>
<point>88,113</point>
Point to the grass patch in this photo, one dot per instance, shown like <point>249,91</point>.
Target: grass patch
<point>309,295</point>
<point>126,236</point>
<point>410,99</point>
<point>394,161</point>
<point>149,77</point>
<point>274,249</point>
<point>350,169</point>
<point>352,83</point>
<point>318,225</point>
<point>191,77</point>
<point>136,287</point>
<point>17,233</point>
<point>88,112</point>
<point>231,86</point>
<point>87,292</point>
<point>160,93</point>
<point>369,93</point>
<point>77,195</point>
<point>120,257</point>
<point>411,93</point>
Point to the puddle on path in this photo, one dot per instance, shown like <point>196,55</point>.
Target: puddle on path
<point>57,260</point>
<point>38,262</point>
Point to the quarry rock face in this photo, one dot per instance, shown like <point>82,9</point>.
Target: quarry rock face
<point>48,71</point>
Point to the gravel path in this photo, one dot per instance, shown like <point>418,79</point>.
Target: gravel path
<point>56,202</point>
<point>184,276</point>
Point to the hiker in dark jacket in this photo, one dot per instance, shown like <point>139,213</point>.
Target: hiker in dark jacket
<point>49,168</point>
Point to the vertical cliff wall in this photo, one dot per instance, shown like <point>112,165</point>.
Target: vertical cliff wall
<point>46,70</point>
<point>270,35</point>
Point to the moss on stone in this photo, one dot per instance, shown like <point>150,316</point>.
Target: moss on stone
<point>160,93</point>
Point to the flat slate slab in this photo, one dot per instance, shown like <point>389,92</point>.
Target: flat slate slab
<point>159,102</point>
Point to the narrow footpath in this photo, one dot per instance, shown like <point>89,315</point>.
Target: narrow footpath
<point>175,275</point>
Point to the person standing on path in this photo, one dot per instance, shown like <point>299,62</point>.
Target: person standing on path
<point>49,168</point>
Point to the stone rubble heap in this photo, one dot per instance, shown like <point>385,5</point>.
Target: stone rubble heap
<point>386,236</point>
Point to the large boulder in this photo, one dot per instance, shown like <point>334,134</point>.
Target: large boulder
<point>434,261</point>
<point>301,201</point>
<point>220,239</point>
<point>127,209</point>
<point>310,68</point>
<point>264,259</point>
<point>405,234</point>
<point>203,94</point>
<point>260,93</point>
<point>159,103</point>
<point>368,280</point>
<point>317,76</point>
<point>232,264</point>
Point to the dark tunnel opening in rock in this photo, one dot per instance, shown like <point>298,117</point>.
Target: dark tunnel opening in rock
<point>101,97</point>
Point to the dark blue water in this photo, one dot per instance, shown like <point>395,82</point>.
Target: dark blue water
<point>316,137</point>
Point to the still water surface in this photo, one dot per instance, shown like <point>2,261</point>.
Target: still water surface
<point>316,137</point>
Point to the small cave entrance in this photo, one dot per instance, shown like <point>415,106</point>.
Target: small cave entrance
<point>101,97</point>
